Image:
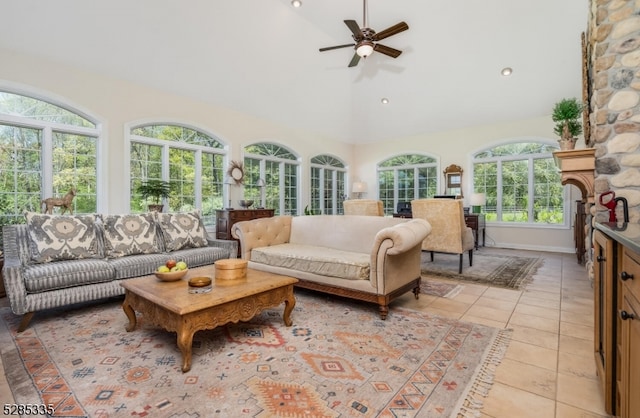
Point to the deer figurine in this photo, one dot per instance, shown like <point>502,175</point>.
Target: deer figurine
<point>65,203</point>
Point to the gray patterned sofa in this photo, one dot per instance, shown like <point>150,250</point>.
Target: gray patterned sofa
<point>369,258</point>
<point>57,260</point>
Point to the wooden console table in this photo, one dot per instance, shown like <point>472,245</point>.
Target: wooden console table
<point>475,221</point>
<point>227,217</point>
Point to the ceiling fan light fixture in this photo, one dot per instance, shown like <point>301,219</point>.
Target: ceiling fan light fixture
<point>506,71</point>
<point>296,3</point>
<point>384,100</point>
<point>364,49</point>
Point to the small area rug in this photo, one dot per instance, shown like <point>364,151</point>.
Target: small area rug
<point>494,269</point>
<point>439,288</point>
<point>337,360</point>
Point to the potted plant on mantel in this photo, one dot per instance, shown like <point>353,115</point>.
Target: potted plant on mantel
<point>156,189</point>
<point>566,114</point>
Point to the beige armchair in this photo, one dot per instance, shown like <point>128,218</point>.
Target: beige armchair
<point>363,207</point>
<point>449,233</point>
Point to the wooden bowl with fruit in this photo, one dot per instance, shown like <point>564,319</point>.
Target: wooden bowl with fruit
<point>171,271</point>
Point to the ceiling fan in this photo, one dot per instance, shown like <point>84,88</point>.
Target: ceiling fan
<point>366,39</point>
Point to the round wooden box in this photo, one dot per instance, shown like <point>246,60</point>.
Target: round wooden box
<point>231,269</point>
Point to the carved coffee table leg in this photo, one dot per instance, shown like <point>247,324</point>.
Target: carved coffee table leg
<point>128,310</point>
<point>289,304</point>
<point>185,341</point>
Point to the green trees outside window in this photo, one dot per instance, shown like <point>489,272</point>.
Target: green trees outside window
<point>189,159</point>
<point>406,177</point>
<point>521,182</point>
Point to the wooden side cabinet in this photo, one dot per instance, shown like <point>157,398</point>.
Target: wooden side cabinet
<point>617,315</point>
<point>604,268</point>
<point>629,337</point>
<point>227,217</point>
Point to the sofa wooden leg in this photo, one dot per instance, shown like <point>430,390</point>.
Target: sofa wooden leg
<point>432,256</point>
<point>384,310</point>
<point>24,323</point>
<point>416,292</point>
<point>460,264</point>
<point>470,258</point>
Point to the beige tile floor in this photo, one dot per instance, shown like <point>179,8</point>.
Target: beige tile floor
<point>549,369</point>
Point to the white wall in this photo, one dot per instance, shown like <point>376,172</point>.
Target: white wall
<point>118,102</point>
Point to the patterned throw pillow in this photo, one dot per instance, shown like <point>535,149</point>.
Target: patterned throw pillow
<point>62,237</point>
<point>129,235</point>
<point>182,230</point>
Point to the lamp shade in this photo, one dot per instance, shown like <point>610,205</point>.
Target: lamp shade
<point>477,199</point>
<point>359,187</point>
<point>261,183</point>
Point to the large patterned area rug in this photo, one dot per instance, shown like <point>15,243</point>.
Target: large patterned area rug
<point>493,269</point>
<point>337,360</point>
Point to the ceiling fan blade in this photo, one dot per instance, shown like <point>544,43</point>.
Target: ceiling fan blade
<point>392,52</point>
<point>355,60</point>
<point>354,28</point>
<point>329,48</point>
<point>397,28</point>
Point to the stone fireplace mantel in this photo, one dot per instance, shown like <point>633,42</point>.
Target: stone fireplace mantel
<point>577,167</point>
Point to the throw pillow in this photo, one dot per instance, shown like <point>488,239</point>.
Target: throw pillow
<point>182,230</point>
<point>129,235</point>
<point>61,237</point>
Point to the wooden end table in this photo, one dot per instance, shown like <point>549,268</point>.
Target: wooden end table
<point>170,305</point>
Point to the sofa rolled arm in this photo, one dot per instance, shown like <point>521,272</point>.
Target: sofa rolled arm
<point>12,270</point>
<point>403,236</point>
<point>261,232</point>
<point>395,257</point>
<point>227,244</point>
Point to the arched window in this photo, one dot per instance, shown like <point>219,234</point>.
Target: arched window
<point>46,149</point>
<point>327,185</point>
<point>189,159</point>
<point>521,182</point>
<point>271,177</point>
<point>406,177</point>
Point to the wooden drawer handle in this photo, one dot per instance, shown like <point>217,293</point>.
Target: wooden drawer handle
<point>626,276</point>
<point>624,315</point>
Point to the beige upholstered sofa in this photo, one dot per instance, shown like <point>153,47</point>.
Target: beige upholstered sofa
<point>370,258</point>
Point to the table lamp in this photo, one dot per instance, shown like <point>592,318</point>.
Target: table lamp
<point>477,201</point>
<point>359,187</point>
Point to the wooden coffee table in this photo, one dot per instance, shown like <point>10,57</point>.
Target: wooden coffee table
<point>170,305</point>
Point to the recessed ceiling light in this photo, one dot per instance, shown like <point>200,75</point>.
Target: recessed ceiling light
<point>296,3</point>
<point>506,71</point>
<point>384,100</point>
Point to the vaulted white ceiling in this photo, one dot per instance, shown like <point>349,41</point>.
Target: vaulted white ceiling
<point>261,57</point>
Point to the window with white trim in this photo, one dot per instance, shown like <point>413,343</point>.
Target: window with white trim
<point>327,185</point>
<point>189,159</point>
<point>522,184</point>
<point>406,177</point>
<point>46,149</point>
<point>278,168</point>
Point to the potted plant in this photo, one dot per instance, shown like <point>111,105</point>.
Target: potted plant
<point>156,189</point>
<point>566,114</point>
